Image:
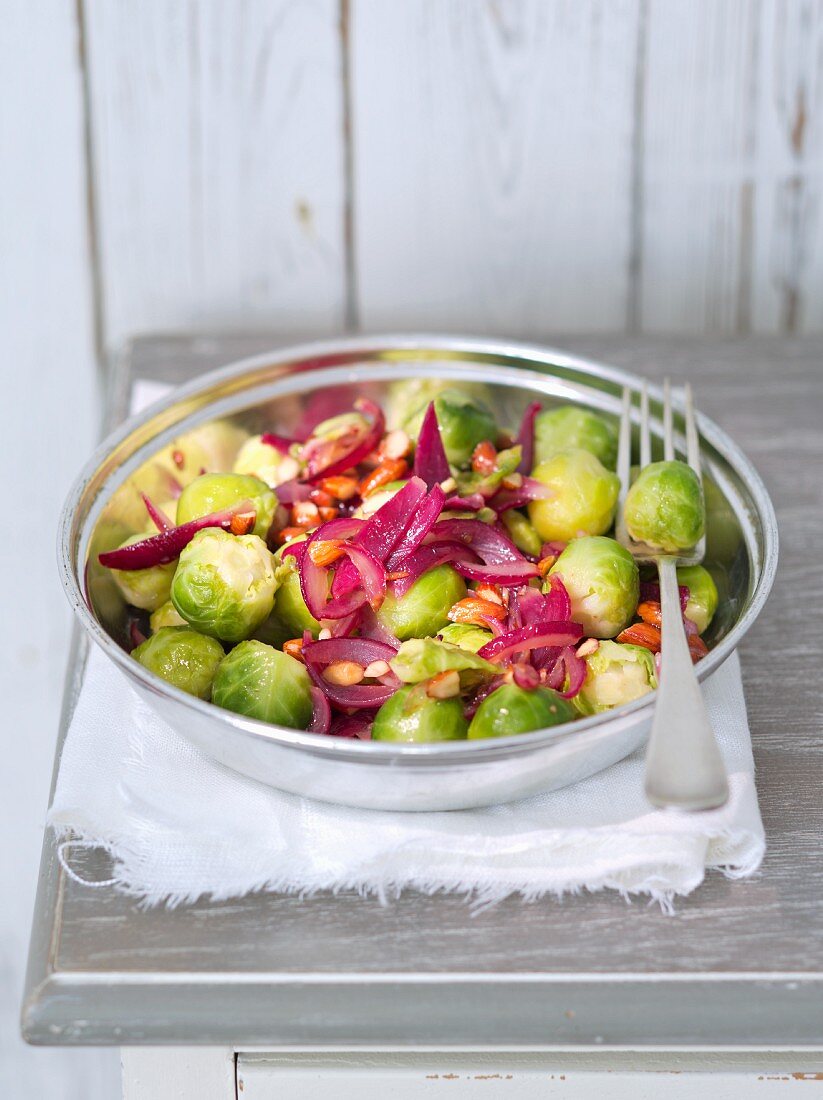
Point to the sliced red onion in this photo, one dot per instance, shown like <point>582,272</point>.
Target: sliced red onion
<point>650,590</point>
<point>319,655</point>
<point>292,491</point>
<point>320,712</point>
<point>571,667</point>
<point>314,583</point>
<point>165,546</point>
<point>371,627</point>
<point>483,693</point>
<point>352,726</point>
<point>430,462</point>
<point>525,676</point>
<point>474,502</point>
<point>552,549</point>
<point>506,574</point>
<point>427,557</point>
<point>525,437</point>
<point>536,635</point>
<point>424,518</point>
<point>530,490</point>
<point>158,517</point>
<point>489,543</point>
<point>136,635</point>
<point>551,606</point>
<point>356,445</point>
<point>281,443</point>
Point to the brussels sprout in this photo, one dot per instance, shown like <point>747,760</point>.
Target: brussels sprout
<point>511,709</point>
<point>144,588</point>
<point>423,610</point>
<point>261,682</point>
<point>290,616</point>
<point>406,399</point>
<point>572,427</point>
<point>464,422</point>
<point>209,447</point>
<point>166,615</point>
<point>584,496</point>
<point>664,507</point>
<point>523,535</point>
<point>603,583</point>
<point>422,658</point>
<point>465,635</point>
<point>410,715</point>
<point>224,584</point>
<point>216,492</point>
<point>702,594</point>
<point>265,462</point>
<point>182,657</point>
<point>506,463</point>
<point>615,674</point>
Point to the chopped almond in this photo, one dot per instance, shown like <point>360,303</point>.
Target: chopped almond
<point>513,481</point>
<point>395,445</point>
<point>476,611</point>
<point>490,592</point>
<point>340,487</point>
<point>545,564</point>
<point>697,647</point>
<point>376,669</point>
<point>321,498</point>
<point>289,534</point>
<point>305,514</point>
<point>328,513</point>
<point>325,551</point>
<point>390,469</point>
<point>242,523</point>
<point>294,648</point>
<point>484,458</point>
<point>590,646</point>
<point>343,673</point>
<point>649,612</point>
<point>445,685</point>
<point>643,634</point>
<point>449,485</point>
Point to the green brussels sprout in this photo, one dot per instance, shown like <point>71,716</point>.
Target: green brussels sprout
<point>166,615</point>
<point>603,583</point>
<point>144,588</point>
<point>411,715</point>
<point>216,492</point>
<point>511,709</point>
<point>422,658</point>
<point>209,447</point>
<point>584,496</point>
<point>465,635</point>
<point>406,399</point>
<point>183,658</point>
<point>289,616</point>
<point>615,674</point>
<point>522,534</point>
<point>464,422</point>
<point>572,427</point>
<point>263,461</point>
<point>224,584</point>
<point>423,610</point>
<point>664,507</point>
<point>703,597</point>
<point>259,681</point>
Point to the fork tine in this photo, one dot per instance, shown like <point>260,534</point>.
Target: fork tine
<point>692,437</point>
<point>668,431</point>
<point>645,437</point>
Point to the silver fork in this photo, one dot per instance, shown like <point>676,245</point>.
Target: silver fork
<point>684,768</point>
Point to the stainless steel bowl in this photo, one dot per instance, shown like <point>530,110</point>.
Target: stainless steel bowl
<point>272,390</point>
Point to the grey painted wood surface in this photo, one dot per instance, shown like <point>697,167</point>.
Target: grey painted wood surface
<point>528,166</point>
<point>740,962</point>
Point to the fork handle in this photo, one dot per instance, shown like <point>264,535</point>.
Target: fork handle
<point>684,768</point>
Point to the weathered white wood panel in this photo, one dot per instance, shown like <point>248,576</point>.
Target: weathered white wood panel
<point>49,420</point>
<point>698,71</point>
<point>493,153</point>
<point>217,163</point>
<point>788,284</point>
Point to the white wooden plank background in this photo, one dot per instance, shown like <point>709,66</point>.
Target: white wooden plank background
<point>48,418</point>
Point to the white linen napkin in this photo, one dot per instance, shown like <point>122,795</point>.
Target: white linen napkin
<point>179,826</point>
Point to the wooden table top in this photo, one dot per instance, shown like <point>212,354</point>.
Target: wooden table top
<point>741,962</point>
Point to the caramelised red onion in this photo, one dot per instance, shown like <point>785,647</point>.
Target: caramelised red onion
<point>335,456</point>
<point>507,574</point>
<point>650,590</point>
<point>430,462</point>
<point>525,676</point>
<point>425,516</point>
<point>353,726</point>
<point>525,437</point>
<point>536,635</point>
<point>158,517</point>
<point>568,668</point>
<point>314,578</point>
<point>423,559</point>
<point>320,712</point>
<point>488,543</point>
<point>165,546</point>
<point>292,491</point>
<point>474,502</point>
<point>551,606</point>
<point>319,655</point>
<point>281,443</point>
<point>530,489</point>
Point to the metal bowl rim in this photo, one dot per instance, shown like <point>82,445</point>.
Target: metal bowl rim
<point>389,752</point>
